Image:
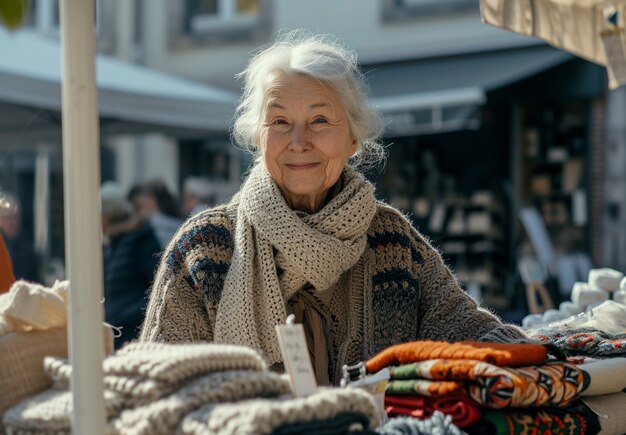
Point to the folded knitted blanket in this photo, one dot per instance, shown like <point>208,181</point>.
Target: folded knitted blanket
<point>50,412</point>
<point>145,371</point>
<point>264,416</point>
<point>163,416</point>
<point>500,354</point>
<point>463,410</point>
<point>552,384</point>
<point>185,376</point>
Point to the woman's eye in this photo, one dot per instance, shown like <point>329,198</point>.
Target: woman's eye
<point>320,121</point>
<point>279,122</point>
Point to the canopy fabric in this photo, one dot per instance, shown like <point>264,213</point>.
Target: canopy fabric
<point>429,95</point>
<point>591,29</point>
<point>30,77</point>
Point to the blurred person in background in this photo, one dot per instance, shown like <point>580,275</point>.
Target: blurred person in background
<point>25,259</point>
<point>130,259</point>
<point>198,195</point>
<point>154,201</point>
<point>6,268</point>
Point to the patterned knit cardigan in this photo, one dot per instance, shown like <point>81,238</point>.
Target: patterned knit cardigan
<point>413,295</point>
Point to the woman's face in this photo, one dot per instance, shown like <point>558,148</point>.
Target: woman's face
<point>305,138</point>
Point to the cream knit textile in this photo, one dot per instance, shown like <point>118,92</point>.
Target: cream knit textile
<point>263,416</point>
<point>150,387</point>
<point>29,306</point>
<point>161,417</point>
<point>143,372</point>
<point>316,249</point>
<point>51,411</point>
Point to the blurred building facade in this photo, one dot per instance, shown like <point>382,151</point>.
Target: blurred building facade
<point>486,129</point>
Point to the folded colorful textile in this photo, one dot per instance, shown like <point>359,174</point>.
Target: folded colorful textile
<point>501,354</point>
<point>463,410</point>
<point>583,341</point>
<point>438,424</point>
<point>552,384</point>
<point>575,420</point>
<point>263,416</point>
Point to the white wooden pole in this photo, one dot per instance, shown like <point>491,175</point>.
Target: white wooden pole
<point>81,176</point>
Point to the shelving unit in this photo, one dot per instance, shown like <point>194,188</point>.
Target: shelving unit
<point>553,170</point>
<point>449,185</point>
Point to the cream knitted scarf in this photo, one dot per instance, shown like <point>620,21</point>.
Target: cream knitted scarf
<point>277,252</point>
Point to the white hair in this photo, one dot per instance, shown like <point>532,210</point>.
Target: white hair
<point>322,58</point>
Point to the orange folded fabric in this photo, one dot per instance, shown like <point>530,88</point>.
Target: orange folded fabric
<point>500,354</point>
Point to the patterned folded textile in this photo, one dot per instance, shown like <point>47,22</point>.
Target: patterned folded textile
<point>338,425</point>
<point>438,424</point>
<point>583,341</point>
<point>463,410</point>
<point>263,416</point>
<point>552,384</point>
<point>575,420</point>
<point>500,354</point>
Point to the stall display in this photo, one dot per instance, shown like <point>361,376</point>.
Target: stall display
<point>451,192</point>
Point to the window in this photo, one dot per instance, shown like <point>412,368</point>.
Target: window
<point>44,16</point>
<point>402,9</point>
<point>205,16</point>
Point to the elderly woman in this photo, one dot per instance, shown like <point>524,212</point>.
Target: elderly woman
<point>306,235</point>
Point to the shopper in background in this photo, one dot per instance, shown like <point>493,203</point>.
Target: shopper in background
<point>25,259</point>
<point>198,195</point>
<point>6,268</point>
<point>154,201</point>
<point>130,257</point>
<point>306,235</point>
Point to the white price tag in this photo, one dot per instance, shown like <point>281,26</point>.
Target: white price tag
<point>296,358</point>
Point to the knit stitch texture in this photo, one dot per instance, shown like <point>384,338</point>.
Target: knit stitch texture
<point>264,416</point>
<point>150,387</point>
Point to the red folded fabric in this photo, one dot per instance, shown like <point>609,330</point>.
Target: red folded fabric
<point>500,354</point>
<point>464,411</point>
